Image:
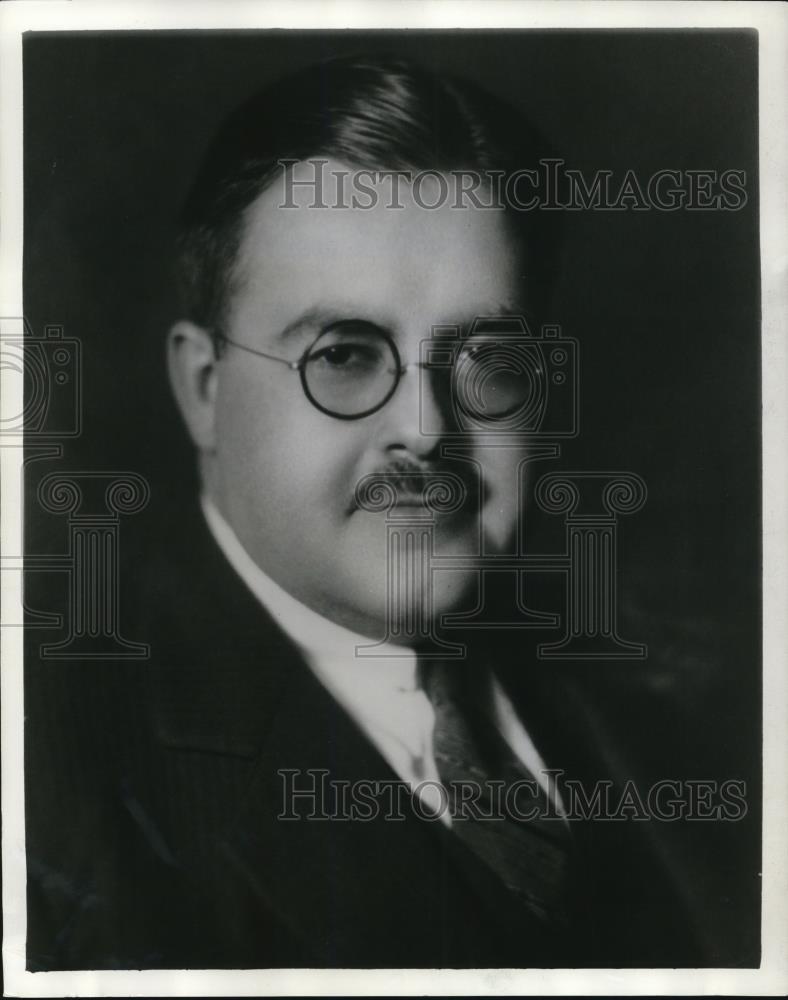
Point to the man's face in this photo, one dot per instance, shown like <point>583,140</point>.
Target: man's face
<point>283,473</point>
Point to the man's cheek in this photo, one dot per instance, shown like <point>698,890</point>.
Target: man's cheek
<point>503,474</point>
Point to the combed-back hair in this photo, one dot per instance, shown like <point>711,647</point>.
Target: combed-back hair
<point>371,113</point>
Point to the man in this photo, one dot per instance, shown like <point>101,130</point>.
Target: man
<point>283,643</point>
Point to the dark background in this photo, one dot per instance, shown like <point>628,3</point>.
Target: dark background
<point>665,306</point>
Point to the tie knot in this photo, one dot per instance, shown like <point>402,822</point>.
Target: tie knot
<point>450,681</point>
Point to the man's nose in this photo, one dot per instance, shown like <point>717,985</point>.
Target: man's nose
<point>417,416</point>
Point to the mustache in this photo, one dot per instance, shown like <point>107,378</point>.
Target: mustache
<point>440,486</point>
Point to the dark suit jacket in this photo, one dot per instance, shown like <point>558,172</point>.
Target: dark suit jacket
<point>153,794</point>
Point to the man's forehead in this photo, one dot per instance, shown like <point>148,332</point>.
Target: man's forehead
<point>312,320</point>
<point>383,265</point>
<point>326,205</point>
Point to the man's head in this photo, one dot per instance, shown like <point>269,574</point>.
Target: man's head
<point>267,285</point>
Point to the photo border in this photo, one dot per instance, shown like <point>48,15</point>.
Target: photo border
<point>771,22</point>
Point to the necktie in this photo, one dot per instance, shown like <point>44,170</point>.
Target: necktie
<point>529,855</point>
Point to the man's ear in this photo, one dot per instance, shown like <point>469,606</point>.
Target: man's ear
<point>191,362</point>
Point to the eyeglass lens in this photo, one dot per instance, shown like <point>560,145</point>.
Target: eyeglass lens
<point>495,379</point>
<point>352,370</point>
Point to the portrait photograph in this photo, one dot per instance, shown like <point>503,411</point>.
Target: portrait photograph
<point>385,589</point>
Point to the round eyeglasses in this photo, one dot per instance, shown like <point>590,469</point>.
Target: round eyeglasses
<point>353,369</point>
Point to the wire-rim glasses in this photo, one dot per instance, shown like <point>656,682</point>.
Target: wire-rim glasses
<point>353,368</point>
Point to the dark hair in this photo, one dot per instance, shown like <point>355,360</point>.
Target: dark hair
<point>372,113</point>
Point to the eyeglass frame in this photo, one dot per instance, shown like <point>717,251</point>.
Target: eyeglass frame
<point>299,366</point>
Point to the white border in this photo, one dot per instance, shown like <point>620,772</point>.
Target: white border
<point>771,21</point>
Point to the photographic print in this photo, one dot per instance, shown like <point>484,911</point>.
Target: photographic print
<point>390,471</point>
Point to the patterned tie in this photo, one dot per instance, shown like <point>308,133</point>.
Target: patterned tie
<point>530,856</point>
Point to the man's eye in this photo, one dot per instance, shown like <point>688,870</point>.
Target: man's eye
<point>352,355</point>
<point>337,355</point>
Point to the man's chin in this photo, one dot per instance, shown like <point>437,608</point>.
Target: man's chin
<point>392,585</point>
<point>397,611</point>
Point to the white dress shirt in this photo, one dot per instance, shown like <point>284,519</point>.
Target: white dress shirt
<point>381,692</point>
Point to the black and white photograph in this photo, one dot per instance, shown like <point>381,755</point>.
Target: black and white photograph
<point>385,515</point>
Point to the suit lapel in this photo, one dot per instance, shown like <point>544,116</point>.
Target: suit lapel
<point>236,705</point>
<point>381,891</point>
<point>632,879</point>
